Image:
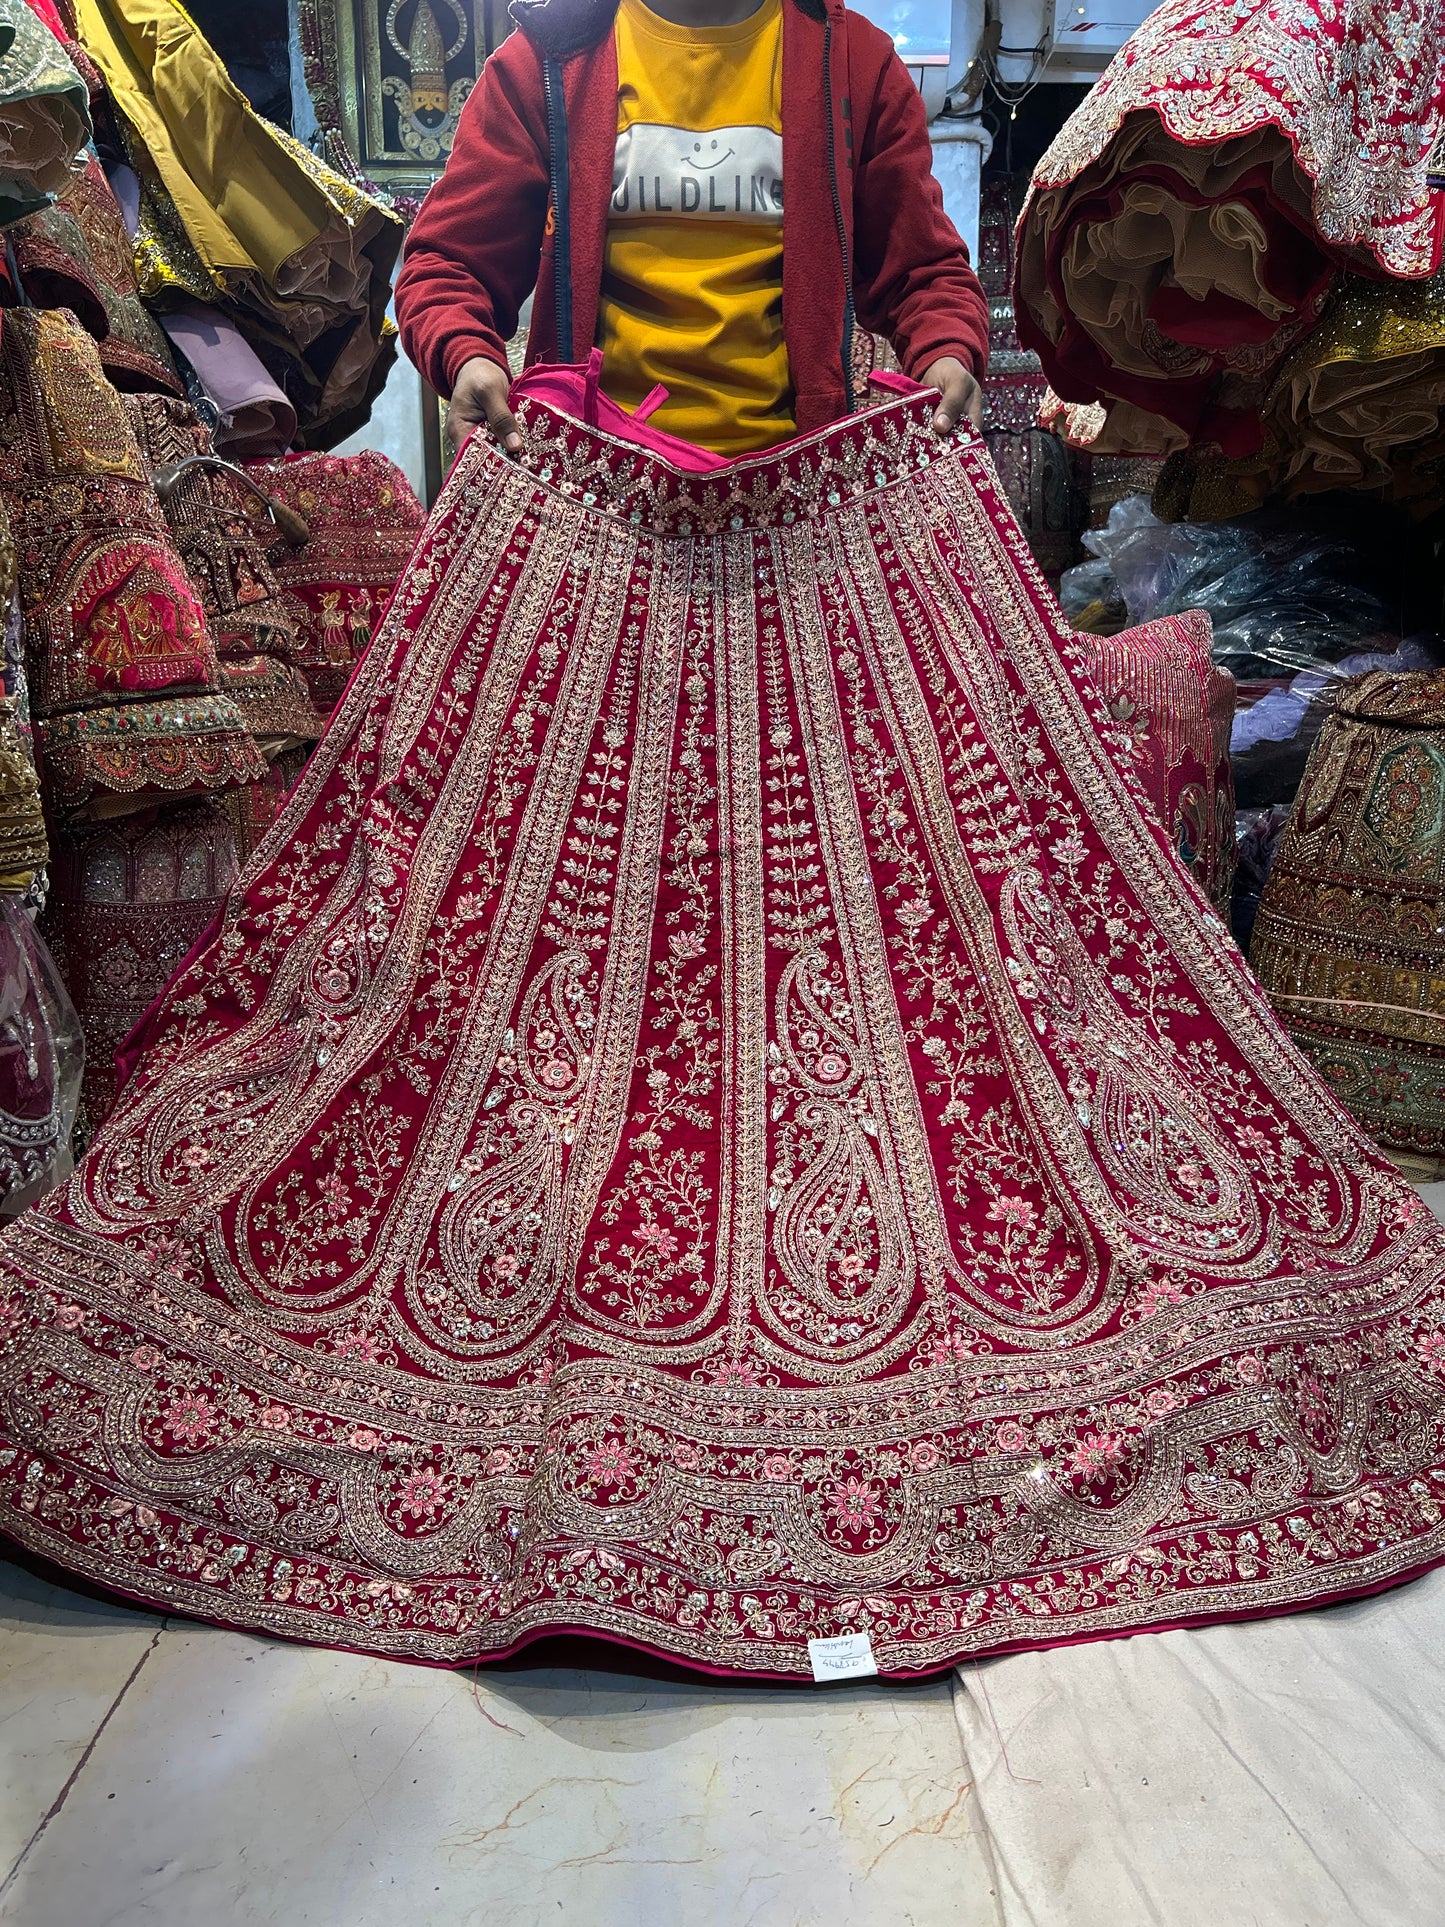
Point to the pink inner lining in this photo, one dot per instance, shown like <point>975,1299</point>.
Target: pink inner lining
<point>895,384</point>
<point>576,390</point>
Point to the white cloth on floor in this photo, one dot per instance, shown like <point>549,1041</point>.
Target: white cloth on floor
<point>1287,1772</point>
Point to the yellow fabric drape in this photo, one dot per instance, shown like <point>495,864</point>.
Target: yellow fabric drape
<point>247,204</point>
<point>234,209</point>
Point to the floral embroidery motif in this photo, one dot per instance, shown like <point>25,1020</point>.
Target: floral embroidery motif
<point>712,1118</point>
<point>1357,85</point>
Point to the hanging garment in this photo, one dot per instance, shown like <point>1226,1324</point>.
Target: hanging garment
<point>44,113</point>
<point>1045,480</point>
<point>1181,233</point>
<point>123,681</point>
<point>224,550</point>
<point>363,519</point>
<point>256,420</point>
<point>1175,707</point>
<point>1348,938</point>
<point>236,212</point>
<point>77,255</point>
<point>714,1119</point>
<point>129,898</point>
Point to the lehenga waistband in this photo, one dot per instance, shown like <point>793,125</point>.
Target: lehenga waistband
<point>634,480</point>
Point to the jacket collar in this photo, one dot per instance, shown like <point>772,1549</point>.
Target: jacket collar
<point>561,28</point>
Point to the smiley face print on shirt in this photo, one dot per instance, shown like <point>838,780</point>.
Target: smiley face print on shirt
<point>735,173</point>
<point>692,280</point>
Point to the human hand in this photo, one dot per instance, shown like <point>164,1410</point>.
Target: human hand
<point>959,394</point>
<point>479,400</point>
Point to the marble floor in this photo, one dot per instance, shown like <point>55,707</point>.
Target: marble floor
<point>161,1773</point>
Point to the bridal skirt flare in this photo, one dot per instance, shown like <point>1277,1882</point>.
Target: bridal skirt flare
<point>713,1119</point>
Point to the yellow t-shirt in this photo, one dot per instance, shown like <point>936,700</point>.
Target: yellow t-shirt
<point>692,280</point>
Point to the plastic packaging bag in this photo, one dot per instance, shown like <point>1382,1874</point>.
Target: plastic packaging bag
<point>1257,835</point>
<point>1284,595</point>
<point>1272,739</point>
<point>42,1056</point>
<point>1089,597</point>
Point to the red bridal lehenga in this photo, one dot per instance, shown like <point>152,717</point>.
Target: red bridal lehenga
<point>1236,169</point>
<point>712,1119</point>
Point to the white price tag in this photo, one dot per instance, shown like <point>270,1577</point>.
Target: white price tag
<point>849,1656</point>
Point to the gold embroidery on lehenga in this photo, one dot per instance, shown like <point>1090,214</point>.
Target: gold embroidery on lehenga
<point>742,1228</point>
<point>642,1150</point>
<point>844,1236</point>
<point>639,858</point>
<point>649,1266</point>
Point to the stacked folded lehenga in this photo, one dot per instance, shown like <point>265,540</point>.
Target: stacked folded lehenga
<point>77,254</point>
<point>124,683</point>
<point>1236,166</point>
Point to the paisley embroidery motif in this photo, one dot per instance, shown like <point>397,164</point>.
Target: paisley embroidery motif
<point>714,1117</point>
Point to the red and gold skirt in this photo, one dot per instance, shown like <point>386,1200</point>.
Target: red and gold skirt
<point>714,1119</point>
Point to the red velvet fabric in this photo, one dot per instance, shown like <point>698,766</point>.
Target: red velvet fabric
<point>1176,707</point>
<point>715,1119</point>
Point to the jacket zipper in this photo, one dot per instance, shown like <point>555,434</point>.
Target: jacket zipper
<point>559,168</point>
<point>849,316</point>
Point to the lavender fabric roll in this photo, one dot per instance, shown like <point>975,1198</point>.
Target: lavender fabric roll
<point>257,421</point>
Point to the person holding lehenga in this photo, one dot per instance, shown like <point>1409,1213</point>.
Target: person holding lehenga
<point>714,1119</point>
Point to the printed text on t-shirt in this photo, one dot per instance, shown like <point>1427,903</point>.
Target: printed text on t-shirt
<point>730,173</point>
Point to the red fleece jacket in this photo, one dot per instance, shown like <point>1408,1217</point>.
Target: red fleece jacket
<point>483,239</point>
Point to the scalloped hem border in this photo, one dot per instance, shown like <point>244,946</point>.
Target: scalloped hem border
<point>55,1570</point>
